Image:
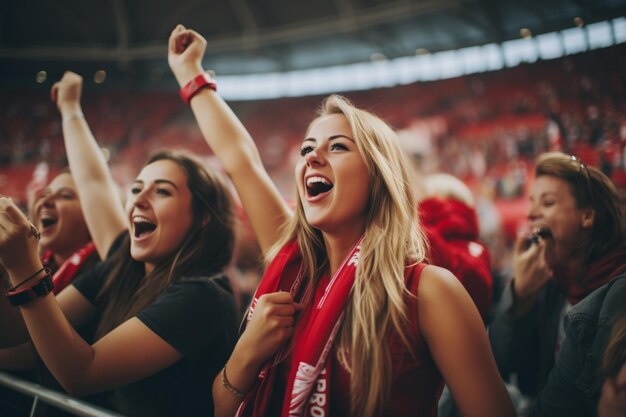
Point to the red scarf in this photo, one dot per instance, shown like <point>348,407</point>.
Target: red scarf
<point>307,386</point>
<point>67,271</point>
<point>599,273</point>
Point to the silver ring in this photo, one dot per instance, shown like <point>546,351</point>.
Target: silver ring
<point>33,231</point>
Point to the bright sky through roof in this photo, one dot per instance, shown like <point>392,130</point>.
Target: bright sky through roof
<point>423,67</point>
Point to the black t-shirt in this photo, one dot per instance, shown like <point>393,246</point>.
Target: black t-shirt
<point>197,316</point>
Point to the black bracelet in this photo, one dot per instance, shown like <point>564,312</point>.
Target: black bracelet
<point>12,289</point>
<point>26,295</point>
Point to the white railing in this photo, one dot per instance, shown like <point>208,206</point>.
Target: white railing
<point>42,397</point>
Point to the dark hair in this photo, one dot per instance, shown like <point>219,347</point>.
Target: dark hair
<point>207,247</point>
<point>591,189</point>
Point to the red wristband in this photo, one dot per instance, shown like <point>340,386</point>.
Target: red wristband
<point>42,288</point>
<point>196,84</point>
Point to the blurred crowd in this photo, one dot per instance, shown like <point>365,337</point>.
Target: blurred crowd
<point>499,195</point>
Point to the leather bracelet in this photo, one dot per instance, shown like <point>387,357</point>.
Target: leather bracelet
<point>192,88</point>
<point>42,288</point>
<point>13,289</point>
<point>226,384</point>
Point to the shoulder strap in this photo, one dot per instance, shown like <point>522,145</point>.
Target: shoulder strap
<point>412,276</point>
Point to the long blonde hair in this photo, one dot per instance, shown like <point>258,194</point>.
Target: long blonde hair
<point>392,241</point>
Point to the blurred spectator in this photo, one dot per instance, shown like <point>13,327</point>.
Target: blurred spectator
<point>578,243</point>
<point>595,339</point>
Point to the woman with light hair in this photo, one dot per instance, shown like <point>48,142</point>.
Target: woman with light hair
<point>348,319</point>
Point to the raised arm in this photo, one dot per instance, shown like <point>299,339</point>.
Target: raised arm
<point>458,342</point>
<point>128,353</point>
<point>97,191</point>
<point>230,141</point>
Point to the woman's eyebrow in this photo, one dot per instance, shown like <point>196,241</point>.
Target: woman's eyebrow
<point>333,137</point>
<point>163,181</point>
<point>339,137</point>
<point>158,181</point>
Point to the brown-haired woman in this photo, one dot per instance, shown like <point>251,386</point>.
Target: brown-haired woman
<point>578,243</point>
<point>168,318</point>
<point>65,245</point>
<point>65,238</point>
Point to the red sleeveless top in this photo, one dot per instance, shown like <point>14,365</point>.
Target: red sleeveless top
<point>416,382</point>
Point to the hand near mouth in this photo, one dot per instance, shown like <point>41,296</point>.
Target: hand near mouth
<point>532,271</point>
<point>538,233</point>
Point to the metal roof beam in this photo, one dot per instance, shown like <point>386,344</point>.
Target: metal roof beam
<point>250,28</point>
<point>288,33</point>
<point>121,30</point>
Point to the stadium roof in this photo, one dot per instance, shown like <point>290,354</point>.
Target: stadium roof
<point>128,38</point>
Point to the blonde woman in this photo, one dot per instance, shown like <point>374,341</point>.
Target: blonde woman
<point>347,319</point>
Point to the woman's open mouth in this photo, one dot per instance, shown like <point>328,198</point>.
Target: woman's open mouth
<point>142,227</point>
<point>317,186</point>
<point>540,233</point>
<point>47,222</point>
